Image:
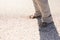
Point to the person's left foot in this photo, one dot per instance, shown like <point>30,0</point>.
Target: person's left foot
<point>45,24</point>
<point>46,27</point>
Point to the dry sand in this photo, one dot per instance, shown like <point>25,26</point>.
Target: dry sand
<point>15,24</point>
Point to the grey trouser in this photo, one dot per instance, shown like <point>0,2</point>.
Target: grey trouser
<point>42,6</point>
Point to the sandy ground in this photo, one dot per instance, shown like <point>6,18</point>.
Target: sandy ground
<point>15,24</point>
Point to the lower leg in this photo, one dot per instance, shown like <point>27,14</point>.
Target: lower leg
<point>37,11</point>
<point>45,11</point>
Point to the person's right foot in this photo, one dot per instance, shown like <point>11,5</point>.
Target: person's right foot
<point>37,14</point>
<point>33,16</point>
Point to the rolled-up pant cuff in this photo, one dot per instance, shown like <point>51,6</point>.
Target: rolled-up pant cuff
<point>47,20</point>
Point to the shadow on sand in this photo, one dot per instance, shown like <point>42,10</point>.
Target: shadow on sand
<point>48,33</point>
